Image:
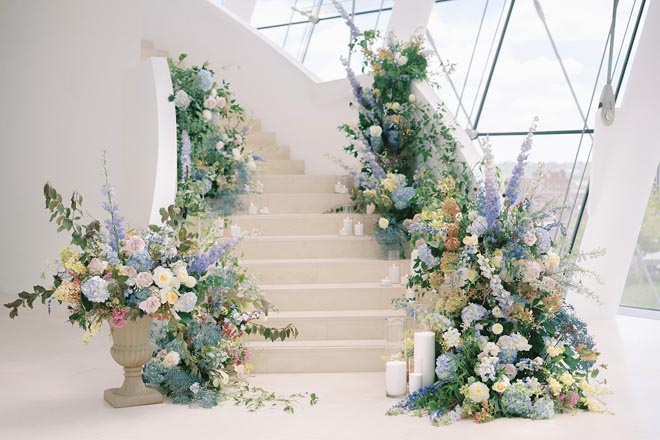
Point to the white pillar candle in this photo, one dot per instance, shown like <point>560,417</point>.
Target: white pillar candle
<point>348,225</point>
<point>414,382</point>
<point>343,232</point>
<point>235,231</point>
<point>252,209</point>
<point>425,356</point>
<point>358,229</point>
<point>264,210</point>
<point>395,378</point>
<point>343,190</point>
<point>386,282</point>
<point>394,274</point>
<point>338,186</point>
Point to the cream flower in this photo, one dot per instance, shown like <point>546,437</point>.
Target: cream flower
<point>412,97</point>
<point>221,102</point>
<point>501,385</point>
<point>383,223</point>
<point>150,305</point>
<point>168,296</point>
<point>471,240</point>
<point>554,385</point>
<point>97,266</point>
<point>210,103</point>
<point>567,379</point>
<point>375,130</point>
<point>551,262</point>
<point>190,282</point>
<point>207,115</point>
<point>555,350</point>
<point>529,238</point>
<point>395,106</point>
<point>478,392</point>
<point>497,328</point>
<point>402,61</point>
<point>180,271</point>
<point>171,359</point>
<point>163,276</point>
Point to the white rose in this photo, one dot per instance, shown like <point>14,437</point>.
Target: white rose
<point>471,240</point>
<point>478,392</point>
<point>501,385</point>
<point>150,305</point>
<point>402,61</point>
<point>497,328</point>
<point>171,359</point>
<point>134,244</point>
<point>221,102</point>
<point>210,103</point>
<point>375,131</point>
<point>412,97</point>
<point>190,282</point>
<point>207,115</point>
<point>395,106</point>
<point>497,312</point>
<point>97,266</point>
<point>383,223</point>
<point>236,152</point>
<point>180,271</point>
<point>163,276</point>
<point>352,124</point>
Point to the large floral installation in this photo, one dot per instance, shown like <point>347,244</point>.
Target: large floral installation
<point>491,286</point>
<point>204,303</point>
<point>214,166</point>
<point>395,136</point>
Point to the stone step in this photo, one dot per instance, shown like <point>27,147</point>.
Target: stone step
<point>337,296</point>
<point>280,166</point>
<point>309,246</point>
<point>271,153</point>
<point>323,270</point>
<point>300,224</point>
<point>299,184</point>
<point>297,203</point>
<point>333,324</point>
<point>299,356</point>
<point>261,138</point>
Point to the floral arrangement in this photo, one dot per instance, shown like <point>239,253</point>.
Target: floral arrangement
<point>214,166</point>
<point>395,134</point>
<point>492,288</point>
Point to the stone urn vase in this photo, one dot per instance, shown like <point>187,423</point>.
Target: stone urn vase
<point>132,349</point>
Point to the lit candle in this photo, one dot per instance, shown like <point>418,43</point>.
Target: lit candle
<point>343,232</point>
<point>395,378</point>
<point>338,186</point>
<point>415,382</point>
<point>386,282</point>
<point>348,225</point>
<point>343,190</point>
<point>358,229</point>
<point>252,210</point>
<point>264,210</point>
<point>235,231</point>
<point>394,274</point>
<point>425,356</point>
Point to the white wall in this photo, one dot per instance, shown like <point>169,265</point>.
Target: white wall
<point>625,158</point>
<point>61,85</point>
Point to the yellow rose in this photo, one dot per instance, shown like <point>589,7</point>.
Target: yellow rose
<point>168,296</point>
<point>471,240</point>
<point>567,379</point>
<point>500,386</point>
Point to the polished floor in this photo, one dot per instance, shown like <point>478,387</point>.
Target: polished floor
<point>51,387</point>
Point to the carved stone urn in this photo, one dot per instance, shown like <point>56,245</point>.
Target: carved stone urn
<point>132,349</point>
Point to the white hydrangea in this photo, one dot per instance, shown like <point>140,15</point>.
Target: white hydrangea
<point>451,337</point>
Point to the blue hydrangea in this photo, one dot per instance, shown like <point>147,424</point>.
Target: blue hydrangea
<point>142,262</point>
<point>543,408</point>
<point>186,303</point>
<point>445,367</point>
<point>473,312</point>
<point>508,356</point>
<point>95,289</point>
<point>526,364</point>
<point>543,240</point>
<point>516,400</point>
<point>426,256</point>
<point>205,80</point>
<point>402,197</point>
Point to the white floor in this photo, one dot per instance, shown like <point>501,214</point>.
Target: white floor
<point>51,387</point>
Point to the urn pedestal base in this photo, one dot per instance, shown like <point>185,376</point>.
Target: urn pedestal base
<point>117,400</point>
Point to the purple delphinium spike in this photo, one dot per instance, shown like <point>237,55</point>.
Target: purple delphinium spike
<point>362,100</point>
<point>513,188</point>
<point>202,261</point>
<point>347,18</point>
<point>186,155</point>
<point>491,194</point>
<point>115,224</point>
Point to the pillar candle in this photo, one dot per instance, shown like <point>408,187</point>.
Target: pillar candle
<point>235,231</point>
<point>348,225</point>
<point>394,274</point>
<point>338,186</point>
<point>425,356</point>
<point>395,378</point>
<point>358,229</point>
<point>415,382</point>
<point>252,210</point>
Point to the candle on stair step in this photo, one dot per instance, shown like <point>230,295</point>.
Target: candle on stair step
<point>343,232</point>
<point>343,190</point>
<point>348,225</point>
<point>414,382</point>
<point>338,186</point>
<point>358,229</point>
<point>394,274</point>
<point>252,209</point>
<point>264,211</point>
<point>386,282</point>
<point>235,231</point>
<point>395,378</point>
<point>424,343</point>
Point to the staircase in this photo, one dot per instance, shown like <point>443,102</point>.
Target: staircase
<point>327,285</point>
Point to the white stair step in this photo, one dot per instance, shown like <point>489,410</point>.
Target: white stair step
<point>300,224</point>
<point>279,166</point>
<point>261,139</point>
<point>356,296</point>
<point>333,324</point>
<point>297,183</point>
<point>337,356</point>
<point>309,246</point>
<point>323,270</point>
<point>271,152</point>
<point>297,203</point>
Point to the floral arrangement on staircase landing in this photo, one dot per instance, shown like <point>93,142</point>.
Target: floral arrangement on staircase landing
<point>395,135</point>
<point>492,289</point>
<point>214,166</point>
<point>185,279</point>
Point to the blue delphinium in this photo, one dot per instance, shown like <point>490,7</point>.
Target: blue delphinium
<point>543,240</point>
<point>472,312</point>
<point>492,203</point>
<point>205,80</point>
<point>513,188</point>
<point>516,400</point>
<point>409,403</point>
<point>445,367</point>
<point>202,261</point>
<point>349,21</point>
<point>543,408</point>
<point>185,158</point>
<point>402,197</point>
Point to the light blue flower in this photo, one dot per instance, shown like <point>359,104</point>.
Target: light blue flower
<point>472,312</point>
<point>186,303</point>
<point>426,256</point>
<point>402,197</point>
<point>205,80</point>
<point>543,408</point>
<point>516,400</point>
<point>543,240</point>
<point>95,289</point>
<point>445,367</point>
